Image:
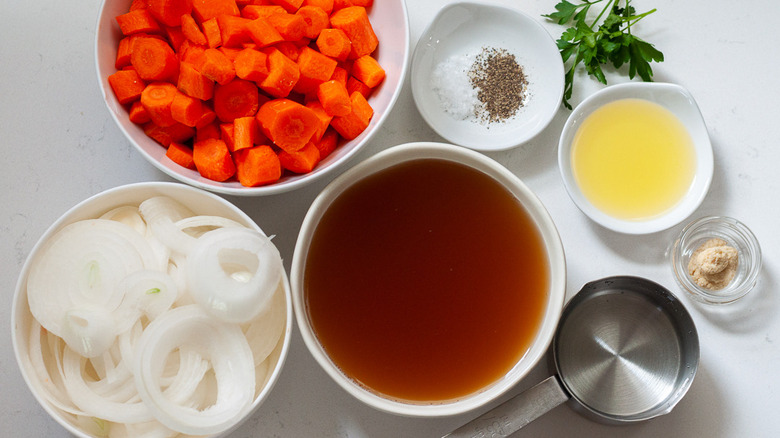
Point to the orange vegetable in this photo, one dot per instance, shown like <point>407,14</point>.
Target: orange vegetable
<point>291,27</point>
<point>354,123</point>
<point>217,67</point>
<point>138,4</point>
<point>154,59</point>
<point>207,9</point>
<point>193,83</point>
<point>176,133</point>
<point>213,160</point>
<point>127,85</point>
<point>175,37</point>
<point>334,98</point>
<point>138,21</point>
<point>302,160</point>
<point>262,33</point>
<point>244,133</point>
<point>315,18</point>
<point>138,114</point>
<point>334,43</point>
<point>231,52</point>
<point>212,33</point>
<point>206,117</point>
<point>124,51</point>
<point>289,5</point>
<point>289,49</point>
<point>157,98</point>
<point>209,130</point>
<point>261,11</point>
<point>315,68</point>
<point>340,75</point>
<point>257,166</point>
<point>192,54</point>
<point>233,30</point>
<point>353,20</point>
<point>324,117</point>
<point>364,3</point>
<point>186,110</point>
<point>288,124</point>
<point>226,134</point>
<point>169,12</point>
<point>181,155</point>
<point>328,142</point>
<point>325,5</point>
<point>341,4</point>
<point>192,31</point>
<point>354,85</point>
<point>283,74</point>
<point>237,98</point>
<point>251,64</point>
<point>368,71</point>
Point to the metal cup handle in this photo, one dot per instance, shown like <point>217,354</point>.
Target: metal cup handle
<point>515,413</point>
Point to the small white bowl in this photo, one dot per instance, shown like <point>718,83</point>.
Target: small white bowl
<point>390,21</point>
<point>465,28</point>
<point>200,202</point>
<point>675,99</point>
<point>533,206</point>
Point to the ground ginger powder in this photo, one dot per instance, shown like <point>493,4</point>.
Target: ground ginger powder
<point>713,265</point>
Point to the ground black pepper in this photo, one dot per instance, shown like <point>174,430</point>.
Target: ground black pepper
<point>500,83</point>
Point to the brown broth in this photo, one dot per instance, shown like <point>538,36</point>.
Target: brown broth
<point>426,281</point>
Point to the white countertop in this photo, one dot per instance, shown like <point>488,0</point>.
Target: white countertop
<point>60,146</point>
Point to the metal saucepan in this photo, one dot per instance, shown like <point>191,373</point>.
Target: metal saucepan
<point>625,350</point>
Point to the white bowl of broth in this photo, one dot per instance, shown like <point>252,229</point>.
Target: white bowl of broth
<point>427,280</point>
<point>636,157</point>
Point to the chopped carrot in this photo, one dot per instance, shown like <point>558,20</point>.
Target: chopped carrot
<point>341,4</point>
<point>237,98</point>
<point>261,11</point>
<point>328,142</point>
<point>193,83</point>
<point>192,31</point>
<point>213,160</point>
<point>315,68</point>
<point>257,166</point>
<point>334,43</point>
<point>138,21</point>
<point>207,9</point>
<point>186,110</point>
<point>316,20</point>
<point>334,98</point>
<point>138,114</point>
<point>340,74</point>
<point>365,3</point>
<point>353,20</point>
<point>192,54</point>
<point>212,33</point>
<point>288,124</point>
<point>157,98</point>
<point>244,133</point>
<point>368,71</point>
<point>217,67</point>
<point>251,64</point>
<point>233,30</point>
<point>289,5</point>
<point>169,12</point>
<point>175,37</point>
<point>289,49</point>
<point>138,4</point>
<point>209,130</point>
<point>325,5</point>
<point>354,85</point>
<point>283,74</point>
<point>354,123</point>
<point>124,51</point>
<point>226,133</point>
<point>290,26</point>
<point>302,160</point>
<point>154,59</point>
<point>262,33</point>
<point>176,133</point>
<point>127,85</point>
<point>324,117</point>
<point>206,117</point>
<point>181,155</point>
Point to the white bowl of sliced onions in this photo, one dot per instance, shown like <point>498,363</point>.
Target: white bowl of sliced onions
<point>152,308</point>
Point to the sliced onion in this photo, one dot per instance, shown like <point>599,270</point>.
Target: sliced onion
<point>196,226</point>
<point>221,343</point>
<point>233,272</point>
<point>89,330</point>
<point>161,214</point>
<point>264,331</point>
<point>128,215</point>
<point>145,292</point>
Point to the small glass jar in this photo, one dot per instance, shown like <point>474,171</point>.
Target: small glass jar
<point>736,235</point>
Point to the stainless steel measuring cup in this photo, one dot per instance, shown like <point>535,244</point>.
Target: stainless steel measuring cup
<point>625,350</point>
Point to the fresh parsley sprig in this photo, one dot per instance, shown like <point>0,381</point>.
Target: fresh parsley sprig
<point>610,42</point>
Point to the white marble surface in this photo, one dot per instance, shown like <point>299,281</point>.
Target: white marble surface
<point>60,146</point>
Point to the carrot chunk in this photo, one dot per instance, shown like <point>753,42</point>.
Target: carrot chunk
<point>289,5</point>
<point>334,98</point>
<point>127,85</point>
<point>244,132</point>
<point>186,110</point>
<point>213,160</point>
<point>233,30</point>
<point>315,68</point>
<point>354,123</point>
<point>302,160</point>
<point>217,67</point>
<point>237,98</point>
<point>207,9</point>
<point>181,155</point>
<point>138,21</point>
<point>354,22</point>
<point>138,114</point>
<point>191,30</point>
<point>328,142</point>
<point>354,85</point>
<point>251,64</point>
<point>193,83</point>
<point>257,166</point>
<point>283,74</point>
<point>154,59</point>
<point>334,43</point>
<point>290,26</point>
<point>262,33</point>
<point>169,12</point>
<point>261,11</point>
<point>315,18</point>
<point>176,133</point>
<point>368,71</point>
<point>324,117</point>
<point>157,98</point>
<point>288,124</point>
<point>212,33</point>
<point>325,5</point>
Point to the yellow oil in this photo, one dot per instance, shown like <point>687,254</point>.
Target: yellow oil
<point>633,159</point>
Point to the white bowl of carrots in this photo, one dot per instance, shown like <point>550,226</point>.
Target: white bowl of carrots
<point>248,99</point>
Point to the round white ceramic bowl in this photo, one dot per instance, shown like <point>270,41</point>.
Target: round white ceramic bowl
<point>534,207</point>
<point>390,21</point>
<point>465,28</point>
<point>198,201</point>
<point>675,99</point>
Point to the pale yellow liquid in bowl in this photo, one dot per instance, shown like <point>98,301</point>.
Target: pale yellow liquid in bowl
<point>633,159</point>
